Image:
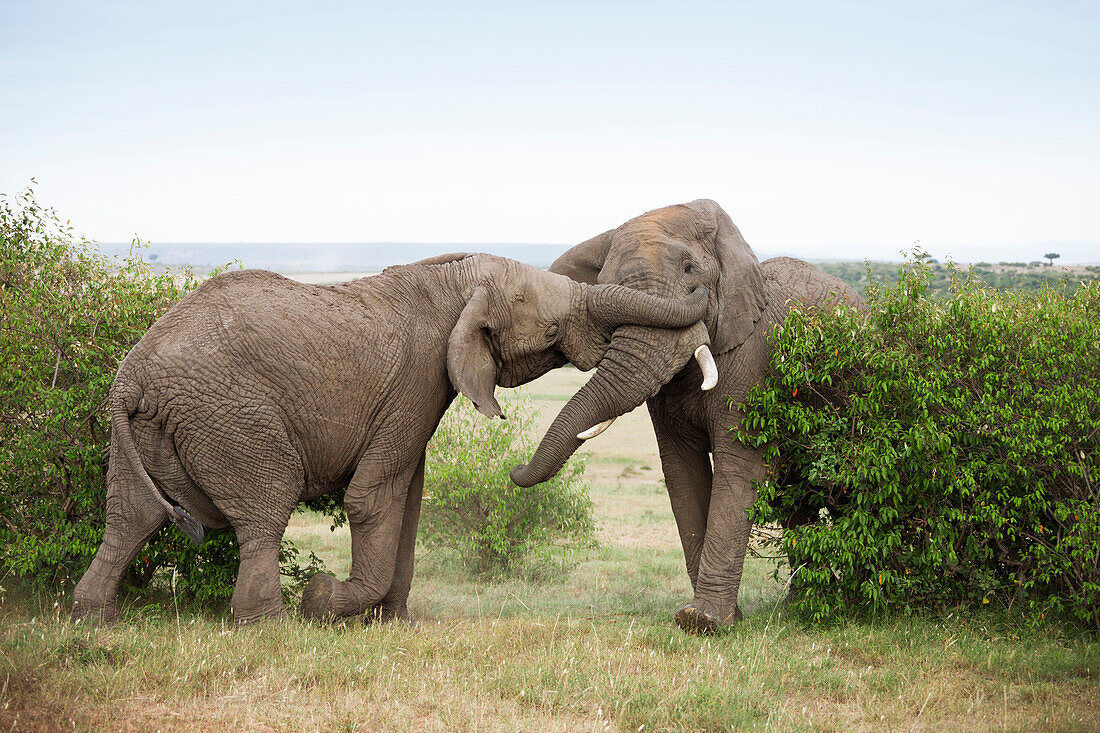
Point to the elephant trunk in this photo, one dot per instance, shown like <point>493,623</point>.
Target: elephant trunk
<point>616,305</point>
<point>637,364</point>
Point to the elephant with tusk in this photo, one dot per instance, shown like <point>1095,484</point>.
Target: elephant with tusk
<point>668,253</point>
<point>256,392</point>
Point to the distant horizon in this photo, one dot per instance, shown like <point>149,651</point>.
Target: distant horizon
<point>341,257</point>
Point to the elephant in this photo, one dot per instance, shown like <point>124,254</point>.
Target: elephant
<point>256,392</point>
<point>668,253</point>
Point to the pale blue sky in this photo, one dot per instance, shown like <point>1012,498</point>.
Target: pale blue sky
<point>826,129</point>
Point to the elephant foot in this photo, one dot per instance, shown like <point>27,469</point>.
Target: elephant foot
<point>694,620</point>
<point>326,599</point>
<point>319,598</point>
<point>256,618</point>
<point>94,616</point>
<point>382,614</point>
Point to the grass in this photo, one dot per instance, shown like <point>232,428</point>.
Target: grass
<point>566,664</point>
<point>584,644</point>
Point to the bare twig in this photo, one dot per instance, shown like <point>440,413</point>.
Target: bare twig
<point>56,367</point>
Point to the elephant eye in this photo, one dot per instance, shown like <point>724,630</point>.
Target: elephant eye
<point>552,330</point>
<point>688,268</point>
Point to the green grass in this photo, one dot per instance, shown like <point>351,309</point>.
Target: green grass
<point>581,642</point>
<point>588,645</point>
<point>560,658</point>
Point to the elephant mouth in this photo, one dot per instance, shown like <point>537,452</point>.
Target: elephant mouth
<point>514,374</point>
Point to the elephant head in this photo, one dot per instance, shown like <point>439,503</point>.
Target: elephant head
<point>667,253</point>
<point>519,323</point>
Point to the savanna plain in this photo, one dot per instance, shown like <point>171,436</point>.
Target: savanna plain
<point>583,642</point>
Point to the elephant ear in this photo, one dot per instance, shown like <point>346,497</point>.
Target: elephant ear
<point>470,363</point>
<point>739,301</point>
<point>584,261</point>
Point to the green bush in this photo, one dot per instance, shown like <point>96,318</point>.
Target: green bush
<point>471,506</point>
<point>69,315</point>
<point>944,450</point>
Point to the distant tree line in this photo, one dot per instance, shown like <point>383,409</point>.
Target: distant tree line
<point>1011,276</point>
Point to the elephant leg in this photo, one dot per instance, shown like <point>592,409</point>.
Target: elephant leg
<point>375,503</point>
<point>132,519</point>
<point>726,542</point>
<point>395,604</point>
<point>258,594</point>
<point>254,482</point>
<point>685,462</point>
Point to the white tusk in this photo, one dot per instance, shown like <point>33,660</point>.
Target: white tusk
<point>710,369</point>
<point>595,430</point>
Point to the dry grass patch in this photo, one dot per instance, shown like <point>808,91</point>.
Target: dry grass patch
<point>548,672</point>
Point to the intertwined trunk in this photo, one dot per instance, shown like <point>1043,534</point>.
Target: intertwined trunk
<point>616,305</point>
<point>637,364</point>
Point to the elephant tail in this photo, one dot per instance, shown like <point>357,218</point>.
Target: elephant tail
<point>121,408</point>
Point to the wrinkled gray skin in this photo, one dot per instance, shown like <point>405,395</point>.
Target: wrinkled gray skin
<point>667,253</point>
<point>256,392</point>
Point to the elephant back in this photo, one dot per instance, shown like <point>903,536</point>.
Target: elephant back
<point>789,281</point>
